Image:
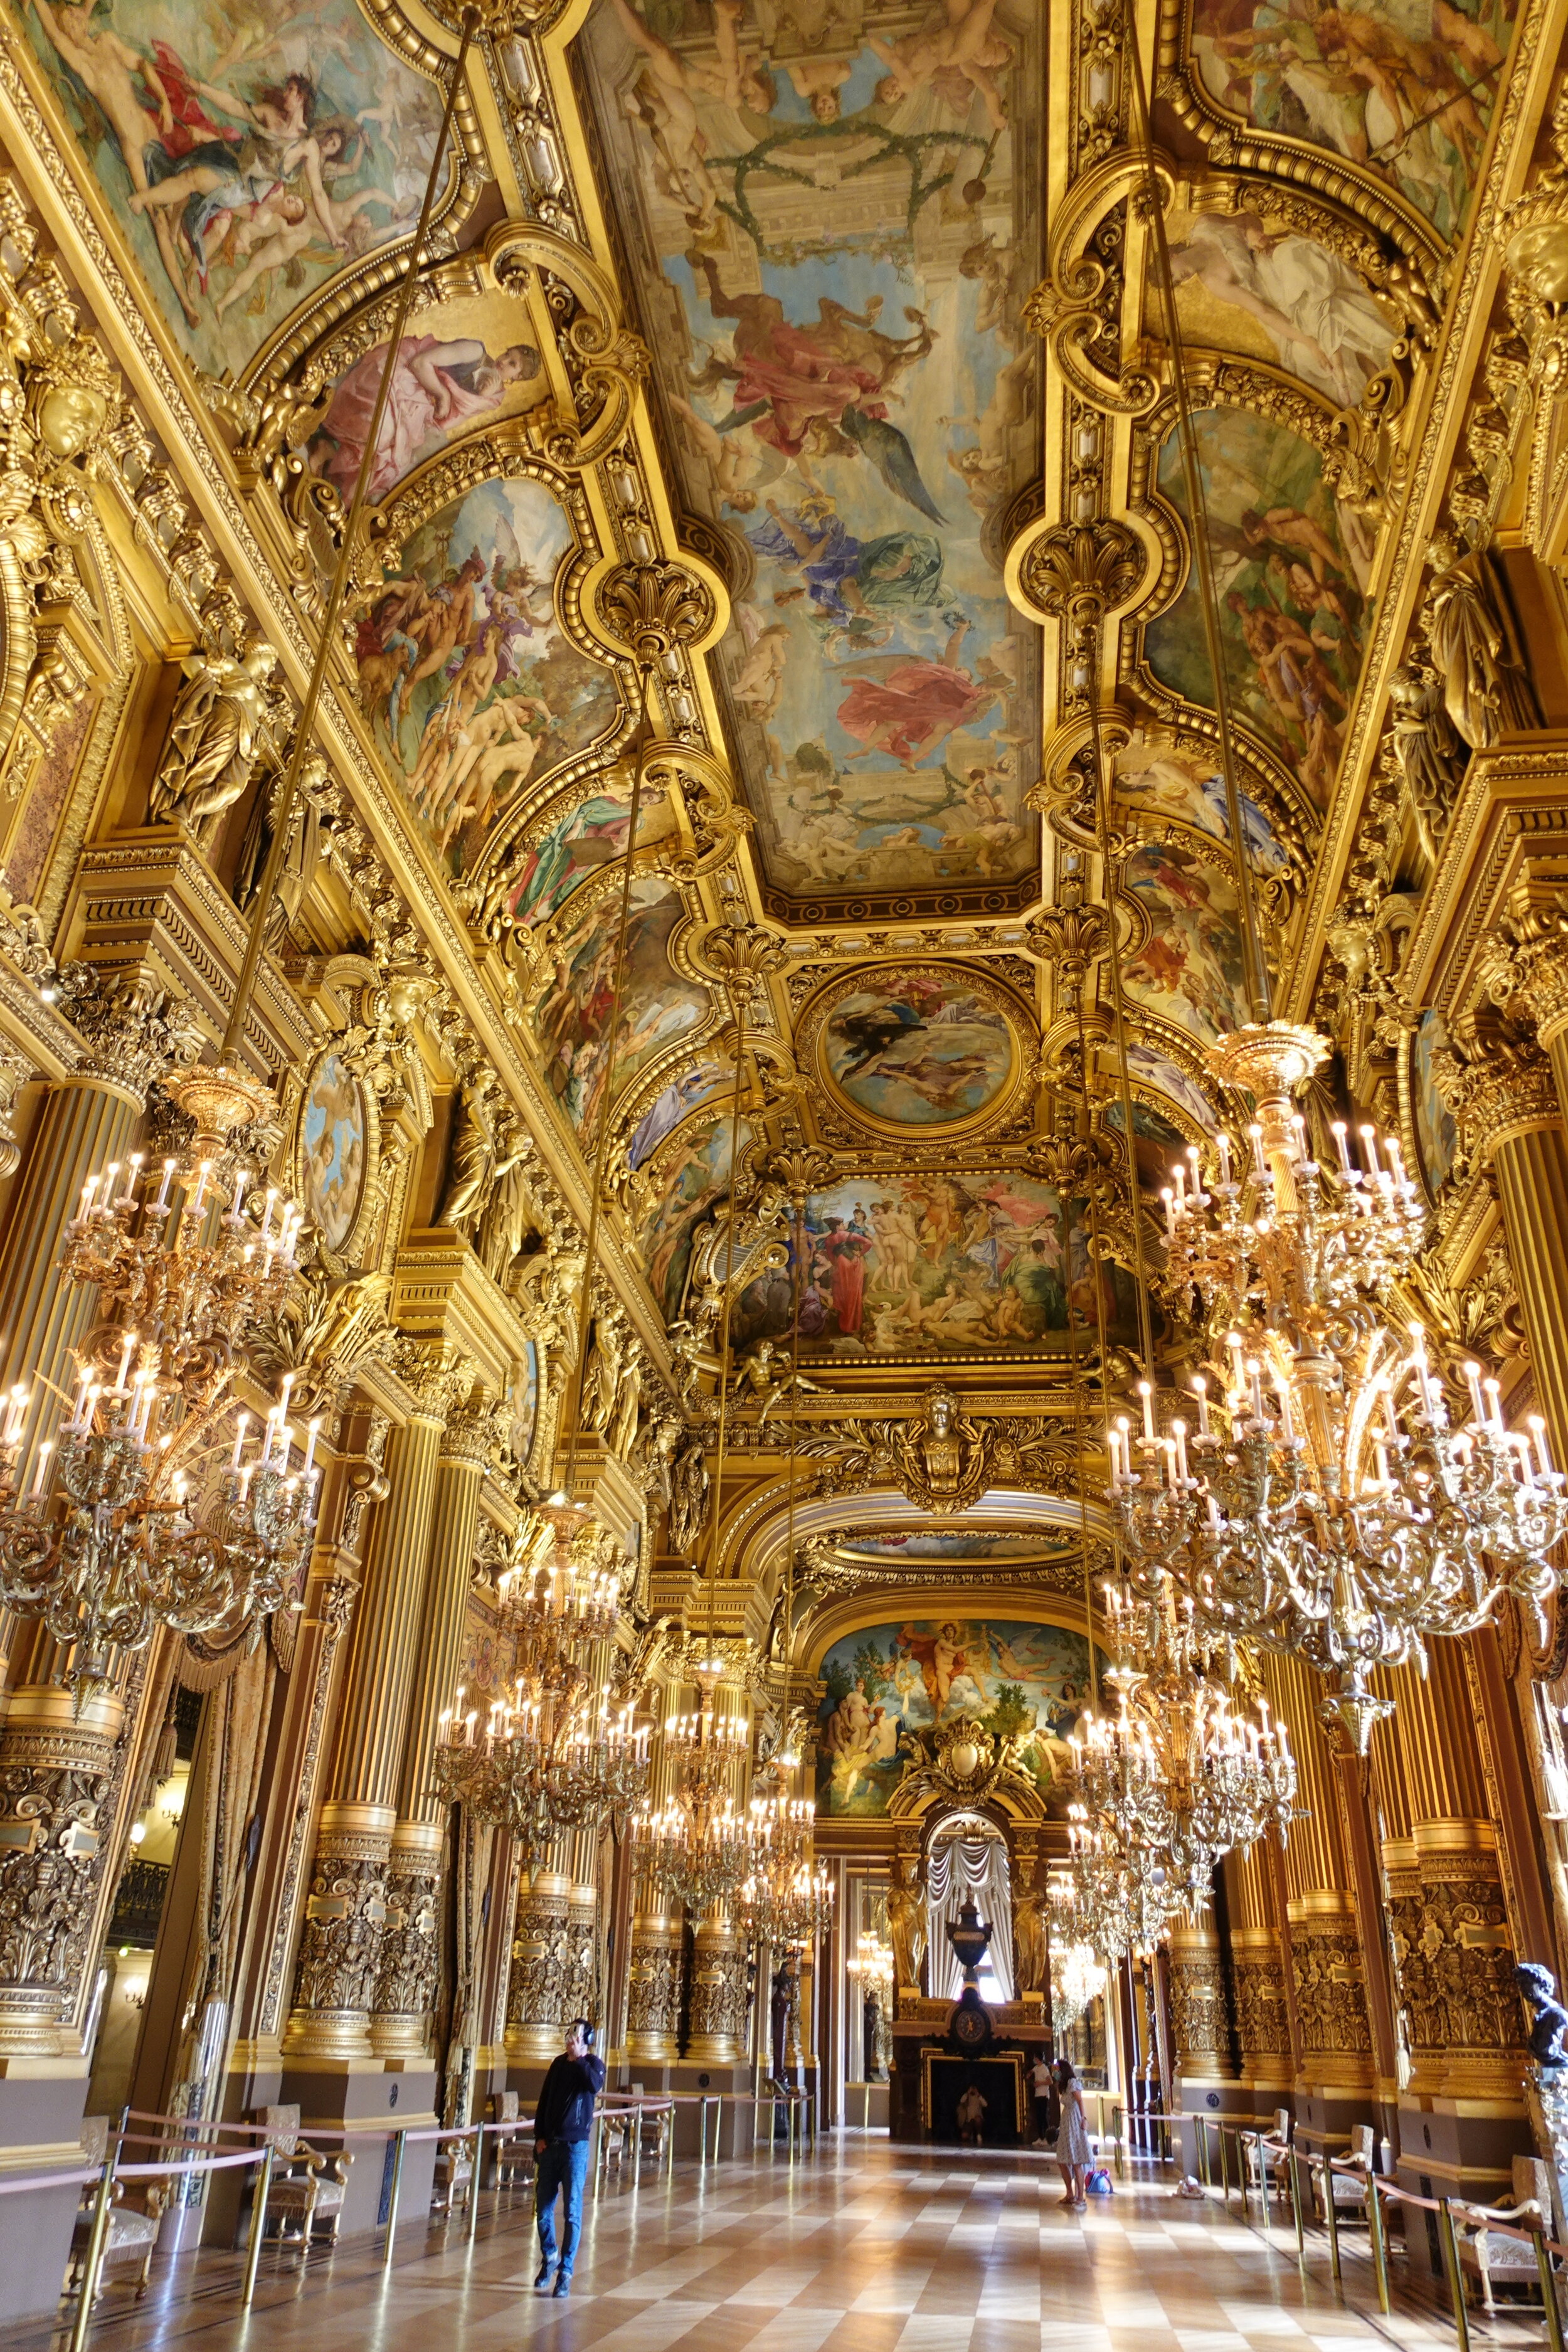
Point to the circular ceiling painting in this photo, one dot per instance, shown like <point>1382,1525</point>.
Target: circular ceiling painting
<point>920,1045</point>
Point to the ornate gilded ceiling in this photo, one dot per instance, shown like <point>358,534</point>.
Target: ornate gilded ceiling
<point>822,339</point>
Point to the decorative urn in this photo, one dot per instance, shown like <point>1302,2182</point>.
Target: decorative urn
<point>970,1938</point>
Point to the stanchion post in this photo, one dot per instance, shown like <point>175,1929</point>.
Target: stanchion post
<point>1447,2238</point>
<point>97,2238</point>
<point>1263,2184</point>
<point>1293,2165</point>
<point>259,2192</point>
<point>1375,2215</point>
<point>398,2141</point>
<point>1331,2215</point>
<point>1548,2294</point>
<point>1118,2124</point>
<point>1224,2166</point>
<point>474,2183</point>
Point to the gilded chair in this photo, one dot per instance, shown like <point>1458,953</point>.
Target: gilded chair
<point>513,2148</point>
<point>132,2229</point>
<point>1491,2262</point>
<point>306,2186</point>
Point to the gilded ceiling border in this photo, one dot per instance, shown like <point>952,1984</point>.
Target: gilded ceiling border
<point>139,347</point>
<point>1431,430</point>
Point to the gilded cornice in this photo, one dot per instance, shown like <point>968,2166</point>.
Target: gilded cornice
<point>1432,435</point>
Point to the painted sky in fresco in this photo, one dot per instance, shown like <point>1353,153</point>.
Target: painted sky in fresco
<point>843,253</point>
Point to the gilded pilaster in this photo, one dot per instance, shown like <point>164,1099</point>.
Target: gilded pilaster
<point>1337,2079</point>
<point>346,1914</point>
<point>718,2034</point>
<point>1462,2110</point>
<point>1510,1101</point>
<point>1258,1960</point>
<point>410,1957</point>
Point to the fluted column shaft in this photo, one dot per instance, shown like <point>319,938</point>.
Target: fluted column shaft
<point>653,1975</point>
<point>1530,1163</point>
<point>1329,1989</point>
<point>409,1963</point>
<point>345,1914</point>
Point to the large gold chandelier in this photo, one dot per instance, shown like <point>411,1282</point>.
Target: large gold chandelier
<point>553,1752</point>
<point>699,1846</point>
<point>1116,1901</point>
<point>1176,1775</point>
<point>786,1898</point>
<point>1322,1503</point>
<point>151,1506</point>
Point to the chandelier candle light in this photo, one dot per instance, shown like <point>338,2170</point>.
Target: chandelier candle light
<point>132,1517</point>
<point>555,1752</point>
<point>1321,1501</point>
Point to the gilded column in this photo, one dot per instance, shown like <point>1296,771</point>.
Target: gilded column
<point>1202,2047</point>
<point>718,2016</point>
<point>543,1990</point>
<point>653,1975</point>
<point>1462,2109</point>
<point>56,1778</point>
<point>346,1912</point>
<point>1258,1962</point>
<point>1337,2081</point>
<point>410,1959</point>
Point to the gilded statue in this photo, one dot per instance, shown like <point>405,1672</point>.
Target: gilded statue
<point>1483,692</point>
<point>1031,1952</point>
<point>506,1217</point>
<point>621,1435</point>
<point>762,1377</point>
<point>1427,747</point>
<point>689,1495</point>
<point>220,733</point>
<point>474,1164</point>
<point>906,1922</point>
<point>943,1458</point>
<point>602,1375</point>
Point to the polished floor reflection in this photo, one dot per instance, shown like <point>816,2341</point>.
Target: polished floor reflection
<point>858,2249</point>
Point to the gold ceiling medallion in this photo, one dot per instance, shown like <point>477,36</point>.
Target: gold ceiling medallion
<point>933,1052</point>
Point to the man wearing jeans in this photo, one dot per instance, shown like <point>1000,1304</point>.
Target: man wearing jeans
<point>563,2120</point>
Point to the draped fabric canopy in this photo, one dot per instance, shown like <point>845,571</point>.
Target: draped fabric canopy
<point>969,1857</point>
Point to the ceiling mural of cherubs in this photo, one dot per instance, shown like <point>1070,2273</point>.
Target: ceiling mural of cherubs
<point>247,158</point>
<point>844,243</point>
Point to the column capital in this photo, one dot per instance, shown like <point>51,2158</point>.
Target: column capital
<point>1524,969</point>
<point>1498,1081</point>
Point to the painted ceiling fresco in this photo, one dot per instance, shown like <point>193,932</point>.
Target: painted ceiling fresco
<point>883,1682</point>
<point>468,681</point>
<point>1405,93</point>
<point>248,156</point>
<point>1263,290</point>
<point>1292,564</point>
<point>924,1265</point>
<point>837,212</point>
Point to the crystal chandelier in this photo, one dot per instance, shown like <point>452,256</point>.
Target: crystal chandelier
<point>871,1964</point>
<point>555,1752</point>
<point>699,1846</point>
<point>1323,1504</point>
<point>1177,1776</point>
<point>1078,1978</point>
<point>786,1896</point>
<point>1116,1901</point>
<point>132,1517</point>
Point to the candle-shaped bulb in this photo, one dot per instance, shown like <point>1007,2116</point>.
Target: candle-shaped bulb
<point>242,1425</point>
<point>1146,1391</point>
<point>163,1200</point>
<point>42,1472</point>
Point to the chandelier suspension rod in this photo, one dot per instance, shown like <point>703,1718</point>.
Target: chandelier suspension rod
<point>602,1138</point>
<point>1119,1016</point>
<point>1258,991</point>
<point>278,849</point>
<point>738,1012</point>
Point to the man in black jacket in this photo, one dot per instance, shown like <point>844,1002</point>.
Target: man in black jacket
<point>563,2120</point>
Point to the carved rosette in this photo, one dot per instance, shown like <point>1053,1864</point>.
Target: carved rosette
<point>543,1989</point>
<point>1454,1961</point>
<point>653,1988</point>
<point>1200,2023</point>
<point>718,2033</point>
<point>56,1771</point>
<point>1330,2001</point>
<point>340,1942</point>
<point>408,1965</point>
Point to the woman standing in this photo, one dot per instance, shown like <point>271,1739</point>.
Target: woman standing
<point>1074,2154</point>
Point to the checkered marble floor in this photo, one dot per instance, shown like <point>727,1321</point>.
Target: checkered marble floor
<point>859,2248</point>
